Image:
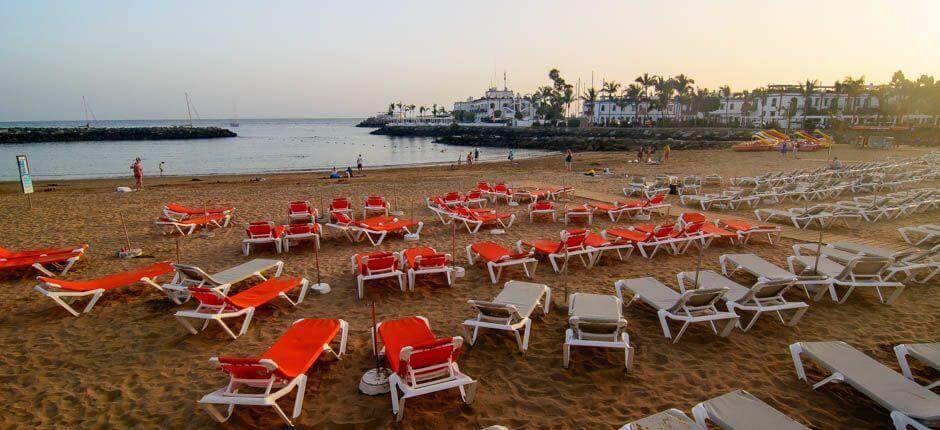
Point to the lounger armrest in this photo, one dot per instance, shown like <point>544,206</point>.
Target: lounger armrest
<point>492,309</point>
<point>266,363</point>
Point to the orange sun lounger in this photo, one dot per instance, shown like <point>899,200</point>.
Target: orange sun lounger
<point>421,363</point>
<point>214,305</point>
<point>263,380</point>
<point>187,226</point>
<point>423,260</point>
<point>62,292</point>
<point>178,211</point>
<point>745,229</point>
<point>61,259</point>
<point>497,257</point>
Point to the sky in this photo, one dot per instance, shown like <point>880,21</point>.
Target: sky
<point>313,59</point>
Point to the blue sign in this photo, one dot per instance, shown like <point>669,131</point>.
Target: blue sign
<point>23,164</point>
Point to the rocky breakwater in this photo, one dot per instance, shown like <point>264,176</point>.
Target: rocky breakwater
<point>79,134</point>
<point>576,139</point>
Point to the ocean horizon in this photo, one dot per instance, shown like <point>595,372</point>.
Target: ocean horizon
<point>263,145</point>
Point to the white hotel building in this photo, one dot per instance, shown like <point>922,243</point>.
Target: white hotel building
<point>495,100</point>
<point>606,110</point>
<point>775,106</point>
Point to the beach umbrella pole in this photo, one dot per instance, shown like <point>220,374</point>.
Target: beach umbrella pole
<point>320,286</point>
<point>375,381</point>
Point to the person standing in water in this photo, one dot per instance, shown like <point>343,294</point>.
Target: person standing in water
<point>138,169</point>
<point>568,157</point>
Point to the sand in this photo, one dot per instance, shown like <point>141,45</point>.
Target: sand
<point>128,364</point>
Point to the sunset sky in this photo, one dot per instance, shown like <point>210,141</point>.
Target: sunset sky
<point>134,60</point>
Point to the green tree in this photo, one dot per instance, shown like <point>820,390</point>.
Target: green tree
<point>725,92</point>
<point>683,87</point>
<point>808,88</point>
<point>590,98</point>
<point>634,94</point>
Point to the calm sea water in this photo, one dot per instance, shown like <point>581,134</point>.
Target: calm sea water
<point>262,145</point>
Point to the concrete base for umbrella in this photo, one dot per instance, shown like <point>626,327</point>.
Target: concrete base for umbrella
<point>375,382</point>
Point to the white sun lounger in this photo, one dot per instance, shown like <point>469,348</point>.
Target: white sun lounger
<point>927,353</point>
<point>764,270</point>
<point>597,321</point>
<point>694,306</point>
<point>910,403</point>
<point>510,310</point>
<point>764,296</point>
<point>740,410</point>
<point>858,272</point>
<point>187,276</point>
<point>797,216</point>
<point>920,235</point>
<point>670,419</point>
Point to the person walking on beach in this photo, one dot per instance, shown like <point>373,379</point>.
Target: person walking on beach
<point>138,169</point>
<point>783,150</point>
<point>796,151</point>
<point>568,157</point>
<point>476,154</point>
<point>161,168</point>
<point>359,163</point>
<point>511,157</point>
<point>666,150</point>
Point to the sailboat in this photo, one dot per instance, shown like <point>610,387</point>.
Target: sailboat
<point>234,122</point>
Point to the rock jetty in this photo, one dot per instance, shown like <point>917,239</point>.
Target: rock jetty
<point>576,139</point>
<point>79,134</point>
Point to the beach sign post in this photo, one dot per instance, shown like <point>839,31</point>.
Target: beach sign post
<point>26,180</point>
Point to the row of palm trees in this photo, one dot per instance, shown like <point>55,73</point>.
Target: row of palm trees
<point>409,110</point>
<point>675,94</point>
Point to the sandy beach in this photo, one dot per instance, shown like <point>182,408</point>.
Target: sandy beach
<point>129,364</point>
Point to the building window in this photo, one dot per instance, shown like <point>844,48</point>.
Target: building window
<point>773,102</point>
<point>602,108</point>
<point>492,105</point>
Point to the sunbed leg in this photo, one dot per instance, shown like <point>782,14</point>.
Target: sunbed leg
<point>215,414</point>
<point>902,422</point>
<point>662,321</point>
<point>227,330</point>
<point>94,299</point>
<point>524,341</point>
<point>732,323</point>
<point>62,303</point>
<point>44,271</point>
<point>894,296</point>
<point>701,415</point>
<point>566,352</point>
<point>835,376</point>
<point>299,400</point>
<point>247,322</point>
<point>189,327</point>
<point>795,350</point>
<point>797,316</point>
<point>280,412</point>
<point>900,352</point>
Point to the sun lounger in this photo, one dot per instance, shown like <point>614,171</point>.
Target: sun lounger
<point>188,276</point>
<point>278,371</point>
<point>375,204</point>
<point>376,265</point>
<point>599,245</point>
<point>706,201</point>
<point>708,231</point>
<point>556,193</point>
<point>910,404</point>
<point>187,226</point>
<point>501,192</point>
<point>659,237</point>
<point>670,419</point>
<point>472,198</point>
<point>693,306</point>
<point>764,270</point>
<point>745,229</point>
<point>178,211</point>
<point>510,311</point>
<point>927,353</point>
<point>63,292</point>
<point>740,410</point>
<point>297,233</point>
<point>799,217</point>
<point>424,260</point>
<point>858,272</point>
<point>597,321</point>
<point>421,363</point>
<point>764,296</point>
<point>529,194</point>
<point>341,205</point>
<point>927,234</point>
<point>261,233</point>
<point>544,209</point>
<point>581,213</point>
<point>496,257</point>
<point>215,305</point>
<point>301,212</point>
<point>374,229</point>
<point>474,219</point>
<point>60,259</point>
<point>570,245</point>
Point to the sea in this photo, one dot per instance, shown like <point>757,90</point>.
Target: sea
<point>262,146</point>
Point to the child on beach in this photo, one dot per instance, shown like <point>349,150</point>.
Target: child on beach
<point>666,150</point>
<point>138,169</point>
<point>568,157</point>
<point>469,159</point>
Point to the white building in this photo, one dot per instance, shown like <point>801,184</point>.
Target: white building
<point>606,111</point>
<point>497,104</point>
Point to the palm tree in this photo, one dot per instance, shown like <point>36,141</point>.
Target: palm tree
<point>391,109</point>
<point>725,92</point>
<point>664,89</point>
<point>646,80</point>
<point>421,110</point>
<point>634,93</point>
<point>791,110</point>
<point>411,108</point>
<point>400,108</point>
<point>746,107</point>
<point>808,89</point>
<point>682,85</point>
<point>611,88</point>
<point>589,98</point>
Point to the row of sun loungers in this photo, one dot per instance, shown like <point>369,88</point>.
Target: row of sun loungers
<point>737,410</point>
<point>925,234</point>
<point>43,260</point>
<point>870,209</point>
